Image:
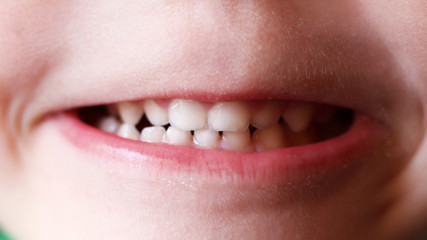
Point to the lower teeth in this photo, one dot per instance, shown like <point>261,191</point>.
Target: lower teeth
<point>276,136</point>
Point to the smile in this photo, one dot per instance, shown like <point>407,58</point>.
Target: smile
<point>251,126</point>
<point>238,140</point>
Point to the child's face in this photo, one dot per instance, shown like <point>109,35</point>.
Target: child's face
<point>60,179</point>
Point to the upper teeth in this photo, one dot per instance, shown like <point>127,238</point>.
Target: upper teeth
<point>267,116</point>
<point>298,116</point>
<point>187,115</point>
<point>157,115</point>
<point>229,116</point>
<point>130,113</point>
<point>209,121</point>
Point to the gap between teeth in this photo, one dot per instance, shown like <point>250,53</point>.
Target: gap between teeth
<point>222,125</point>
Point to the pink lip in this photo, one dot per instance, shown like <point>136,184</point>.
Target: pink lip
<point>287,163</point>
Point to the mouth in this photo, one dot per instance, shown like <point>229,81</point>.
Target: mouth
<point>246,126</point>
<point>239,140</point>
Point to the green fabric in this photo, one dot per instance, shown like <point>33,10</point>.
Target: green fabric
<point>3,236</point>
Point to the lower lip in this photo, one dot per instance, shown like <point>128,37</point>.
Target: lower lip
<point>287,163</point>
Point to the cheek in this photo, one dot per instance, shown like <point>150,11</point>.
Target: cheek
<point>30,36</point>
<point>402,27</point>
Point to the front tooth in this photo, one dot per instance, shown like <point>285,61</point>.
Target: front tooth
<point>128,131</point>
<point>108,124</point>
<point>176,136</point>
<point>153,134</point>
<point>229,116</point>
<point>206,138</point>
<point>270,138</point>
<point>236,141</point>
<point>187,115</point>
<point>298,116</point>
<point>156,114</point>
<point>267,116</point>
<point>130,112</point>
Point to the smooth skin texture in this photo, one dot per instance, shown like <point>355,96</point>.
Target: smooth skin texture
<point>368,55</point>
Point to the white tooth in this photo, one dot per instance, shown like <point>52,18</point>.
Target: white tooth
<point>130,112</point>
<point>267,116</point>
<point>128,131</point>
<point>109,124</point>
<point>187,115</point>
<point>153,134</point>
<point>176,136</point>
<point>298,116</point>
<point>206,138</point>
<point>157,115</point>
<point>273,137</point>
<point>229,116</point>
<point>236,141</point>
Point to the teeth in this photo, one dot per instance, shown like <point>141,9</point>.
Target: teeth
<point>267,116</point>
<point>157,115</point>
<point>187,115</point>
<point>236,141</point>
<point>229,116</point>
<point>206,138</point>
<point>128,131</point>
<point>109,124</point>
<point>130,112</point>
<point>270,138</point>
<point>223,125</point>
<point>298,116</point>
<point>176,136</point>
<point>153,134</point>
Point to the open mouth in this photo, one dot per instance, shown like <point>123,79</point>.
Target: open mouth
<point>262,140</point>
<point>248,126</point>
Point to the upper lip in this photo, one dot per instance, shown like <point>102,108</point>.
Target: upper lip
<point>366,95</point>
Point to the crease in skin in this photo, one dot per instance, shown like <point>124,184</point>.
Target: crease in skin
<point>16,106</point>
<point>400,191</point>
<point>401,196</point>
<point>398,196</point>
<point>22,68</point>
<point>27,56</point>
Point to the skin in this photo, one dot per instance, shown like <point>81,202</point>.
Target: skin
<point>57,55</point>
